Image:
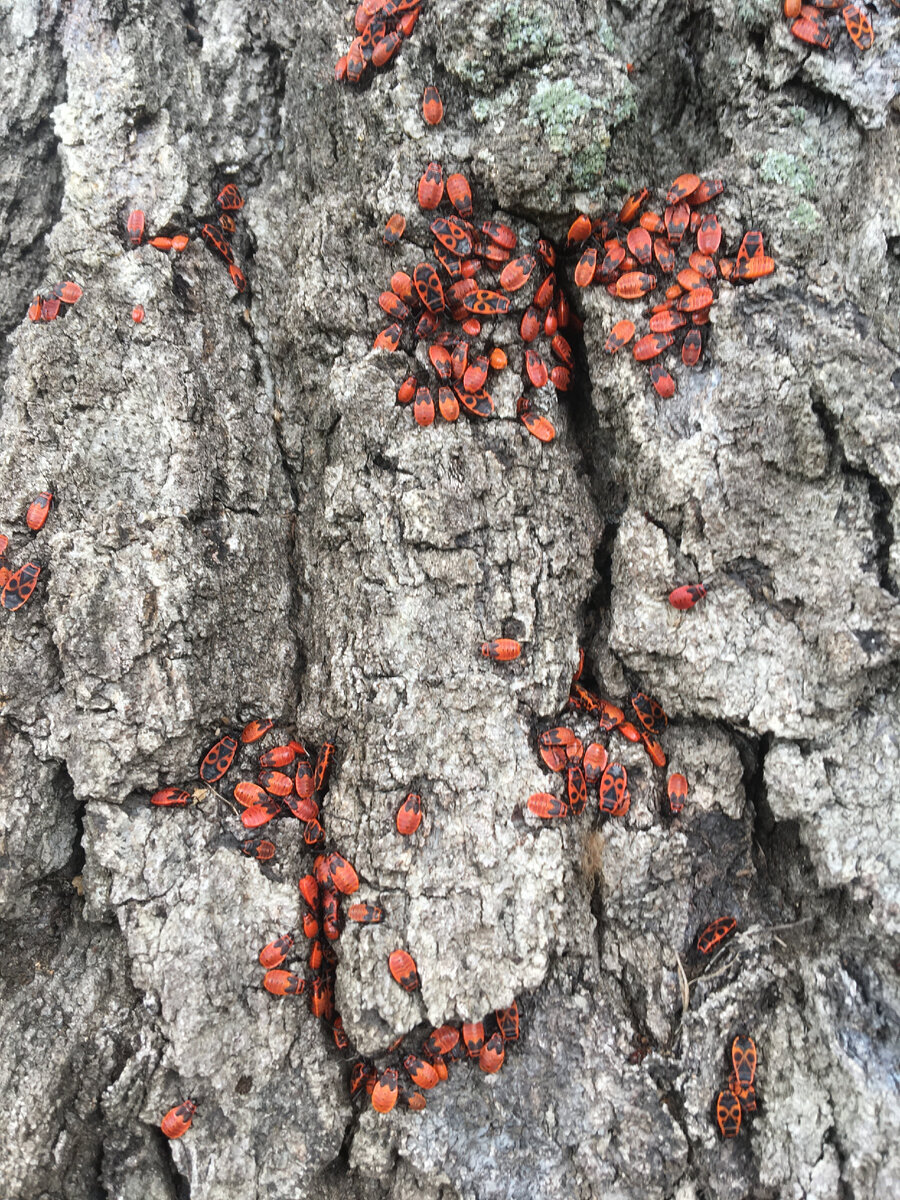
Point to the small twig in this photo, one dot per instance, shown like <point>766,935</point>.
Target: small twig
<point>683,983</point>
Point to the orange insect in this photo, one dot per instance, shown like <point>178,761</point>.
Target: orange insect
<point>538,426</point>
<point>663,382</point>
<point>753,268</point>
<point>365,914</point>
<point>385,1092</point>
<point>744,1059</point>
<point>254,731</point>
<point>431,186</point>
<point>135,227</point>
<point>473,1037</point>
<point>343,875</point>
<point>460,194</point>
<point>728,1114</point>
<point>501,650</point>
<point>284,983</point>
<point>632,205</point>
<point>547,806</point>
<point>652,345</point>
<point>276,952</point>
<point>676,793</point>
<point>492,1054</point>
<point>137,314</point>
<point>432,106</point>
<point>634,284</point>
<point>177,1120</point>
<point>517,272</point>
<point>409,814</point>
<point>683,187</point>
<point>791,9</point>
<point>38,511</point>
<point>859,26</point>
<point>691,348</point>
<point>594,763</point>
<point>579,230</point>
<point>420,1072</point>
<point>620,335</point>
<point>394,229</point>
<point>403,969</point>
<point>586,268</point>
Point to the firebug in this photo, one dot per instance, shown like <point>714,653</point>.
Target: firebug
<point>492,1054</point>
<point>254,731</point>
<point>676,793</point>
<point>38,511</point>
<point>409,814</point>
<point>432,107</point>
<point>547,806</point>
<point>384,1096</point>
<point>501,649</point>
<point>403,969</point>
<point>170,797</point>
<point>365,914</point>
<point>177,1120</point>
<point>274,954</point>
<point>728,1114</point>
<point>687,596</point>
<point>714,933</point>
<point>431,186</point>
<point>135,227</point>
<point>283,983</point>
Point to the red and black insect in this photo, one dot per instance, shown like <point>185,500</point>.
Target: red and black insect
<point>342,874</point>
<point>431,186</point>
<point>218,759</point>
<point>432,106</point>
<point>473,1037</point>
<point>441,1040</point>
<point>177,1120</point>
<point>259,848</point>
<point>403,969</point>
<point>365,914</point>
<point>715,933</point>
<point>676,793</point>
<point>547,806</point>
<point>255,731</point>
<point>170,797</point>
<point>212,235</point>
<point>229,199</point>
<point>501,650</point>
<point>19,586</point>
<point>135,227</point>
<point>420,1072</point>
<point>394,229</point>
<point>686,597</point>
<point>384,1094</point>
<point>576,789</point>
<point>744,1060</point>
<point>728,1114</point>
<point>276,783</point>
<point>615,798</point>
<point>508,1022</point>
<point>492,1054</point>
<point>274,954</point>
<point>409,814</point>
<point>650,713</point>
<point>284,983</point>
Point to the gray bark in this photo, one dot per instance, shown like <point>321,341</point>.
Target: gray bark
<point>246,524</point>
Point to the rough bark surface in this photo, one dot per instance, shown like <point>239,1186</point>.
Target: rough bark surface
<point>247,525</point>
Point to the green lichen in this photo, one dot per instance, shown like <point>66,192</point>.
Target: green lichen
<point>526,31</point>
<point>787,170</point>
<point>806,216</point>
<point>588,165</point>
<point>557,107</point>
<point>606,37</point>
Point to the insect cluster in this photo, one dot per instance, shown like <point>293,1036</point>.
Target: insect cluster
<point>216,232</point>
<point>561,750</point>
<point>443,305</point>
<point>810,22</point>
<point>628,259</point>
<point>484,1041</point>
<point>740,1093</point>
<point>382,26</point>
<point>276,795</point>
<point>62,297</point>
<point>16,587</point>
